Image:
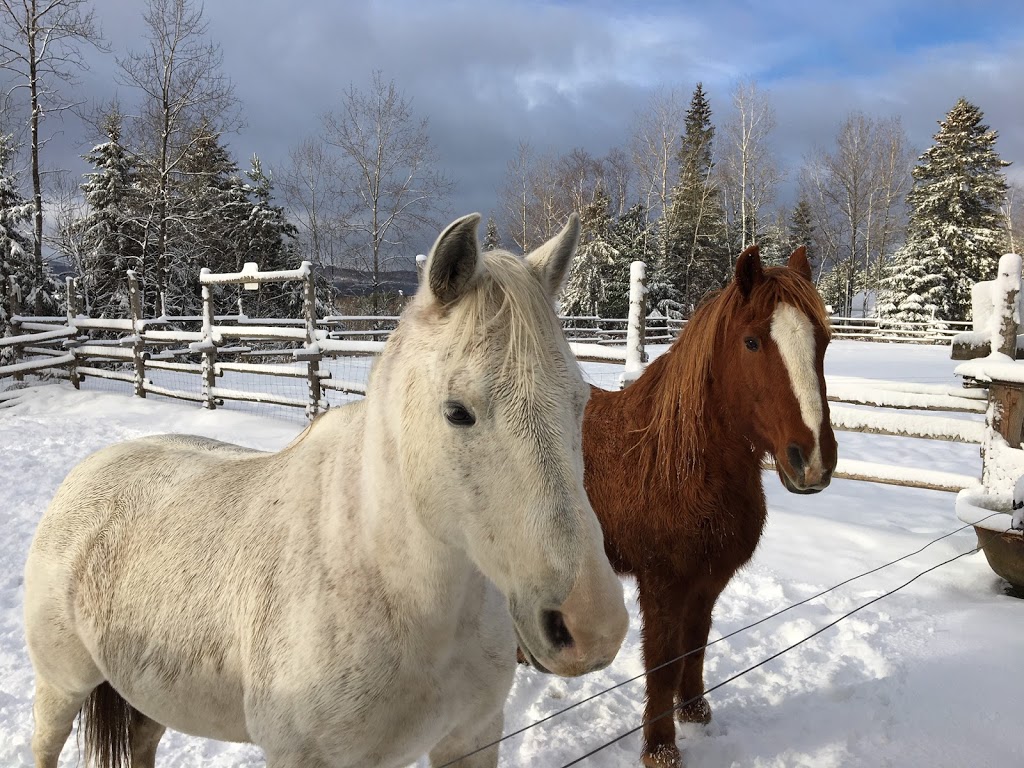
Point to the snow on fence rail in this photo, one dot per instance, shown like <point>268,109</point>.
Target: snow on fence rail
<point>209,347</point>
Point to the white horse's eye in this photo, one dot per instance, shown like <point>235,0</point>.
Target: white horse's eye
<point>458,415</point>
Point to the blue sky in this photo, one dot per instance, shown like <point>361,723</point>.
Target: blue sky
<point>564,74</point>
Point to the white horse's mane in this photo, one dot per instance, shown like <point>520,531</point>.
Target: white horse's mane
<point>505,308</point>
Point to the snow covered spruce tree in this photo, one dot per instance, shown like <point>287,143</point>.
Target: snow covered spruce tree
<point>110,233</point>
<point>19,271</point>
<point>585,289</point>
<point>697,252</point>
<point>269,241</point>
<point>491,238</point>
<point>633,240</point>
<point>955,230</point>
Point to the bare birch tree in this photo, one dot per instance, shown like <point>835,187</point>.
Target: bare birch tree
<point>857,193</point>
<point>42,43</point>
<point>749,171</point>
<point>655,148</point>
<point>312,188</point>
<point>396,187</point>
<point>186,99</point>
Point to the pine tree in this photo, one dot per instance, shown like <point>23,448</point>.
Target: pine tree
<point>802,230</point>
<point>633,241</point>
<point>912,290</point>
<point>491,239</point>
<point>110,232</point>
<point>207,225</point>
<point>18,269</point>
<point>585,289</point>
<point>696,256</point>
<point>269,241</point>
<point>955,229</point>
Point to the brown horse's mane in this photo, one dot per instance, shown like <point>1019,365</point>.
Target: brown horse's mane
<point>677,386</point>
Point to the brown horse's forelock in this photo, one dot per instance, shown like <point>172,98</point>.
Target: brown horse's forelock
<point>671,446</point>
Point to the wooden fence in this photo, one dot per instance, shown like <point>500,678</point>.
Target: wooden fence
<point>210,346</point>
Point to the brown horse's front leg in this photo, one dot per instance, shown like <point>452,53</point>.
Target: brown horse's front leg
<point>659,637</point>
<point>693,707</point>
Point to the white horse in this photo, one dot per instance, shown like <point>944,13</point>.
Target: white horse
<point>356,599</point>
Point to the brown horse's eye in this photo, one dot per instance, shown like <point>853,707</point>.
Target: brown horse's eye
<point>458,415</point>
<point>752,343</point>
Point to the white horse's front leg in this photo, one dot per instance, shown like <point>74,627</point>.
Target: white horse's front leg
<point>467,738</point>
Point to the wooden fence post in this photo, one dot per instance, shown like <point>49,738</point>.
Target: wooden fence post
<point>135,301</point>
<point>1006,317</point>
<point>635,327</point>
<point>73,308</point>
<point>209,349</point>
<point>14,303</point>
<point>313,355</point>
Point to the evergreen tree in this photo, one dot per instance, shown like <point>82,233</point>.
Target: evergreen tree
<point>18,269</point>
<point>491,239</point>
<point>110,231</point>
<point>696,256</point>
<point>955,228</point>
<point>269,241</point>
<point>913,288</point>
<point>802,230</point>
<point>208,221</point>
<point>585,289</point>
<point>632,240</point>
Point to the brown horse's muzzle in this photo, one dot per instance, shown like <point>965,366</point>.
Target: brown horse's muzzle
<point>799,474</point>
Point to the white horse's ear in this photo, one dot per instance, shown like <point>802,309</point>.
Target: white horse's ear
<point>454,259</point>
<point>551,261</point>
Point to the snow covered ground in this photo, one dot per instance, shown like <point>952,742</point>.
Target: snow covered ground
<point>930,676</point>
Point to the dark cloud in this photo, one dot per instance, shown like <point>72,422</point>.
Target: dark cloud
<point>567,74</point>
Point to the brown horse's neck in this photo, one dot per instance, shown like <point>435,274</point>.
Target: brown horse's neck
<point>680,420</point>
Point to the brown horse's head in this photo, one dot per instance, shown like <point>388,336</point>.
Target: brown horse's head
<point>771,342</point>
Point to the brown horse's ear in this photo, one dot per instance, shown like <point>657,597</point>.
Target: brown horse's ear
<point>798,261</point>
<point>749,271</point>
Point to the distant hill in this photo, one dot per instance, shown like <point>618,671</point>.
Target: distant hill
<point>353,282</point>
<point>346,281</point>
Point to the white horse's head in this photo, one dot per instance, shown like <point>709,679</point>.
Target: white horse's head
<point>488,408</point>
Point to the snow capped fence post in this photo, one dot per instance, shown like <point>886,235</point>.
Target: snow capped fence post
<point>207,347</point>
<point>635,327</point>
<point>135,302</point>
<point>421,263</point>
<point>1006,320</point>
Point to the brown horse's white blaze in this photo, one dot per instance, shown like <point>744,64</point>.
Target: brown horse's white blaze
<point>793,334</point>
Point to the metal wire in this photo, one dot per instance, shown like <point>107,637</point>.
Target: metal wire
<point>713,642</point>
<point>774,656</point>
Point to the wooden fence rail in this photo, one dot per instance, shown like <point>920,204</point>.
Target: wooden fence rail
<point>210,345</point>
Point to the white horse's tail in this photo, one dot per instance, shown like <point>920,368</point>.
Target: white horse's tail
<point>107,721</point>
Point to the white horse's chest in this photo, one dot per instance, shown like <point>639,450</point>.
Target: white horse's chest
<point>386,698</point>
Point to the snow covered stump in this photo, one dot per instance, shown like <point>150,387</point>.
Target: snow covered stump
<point>989,507</point>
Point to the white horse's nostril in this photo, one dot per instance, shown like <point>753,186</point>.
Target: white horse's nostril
<point>556,631</point>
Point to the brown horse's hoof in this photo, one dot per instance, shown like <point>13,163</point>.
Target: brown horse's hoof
<point>665,756</point>
<point>521,657</point>
<point>698,711</point>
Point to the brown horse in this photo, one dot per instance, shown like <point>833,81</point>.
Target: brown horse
<point>673,465</point>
